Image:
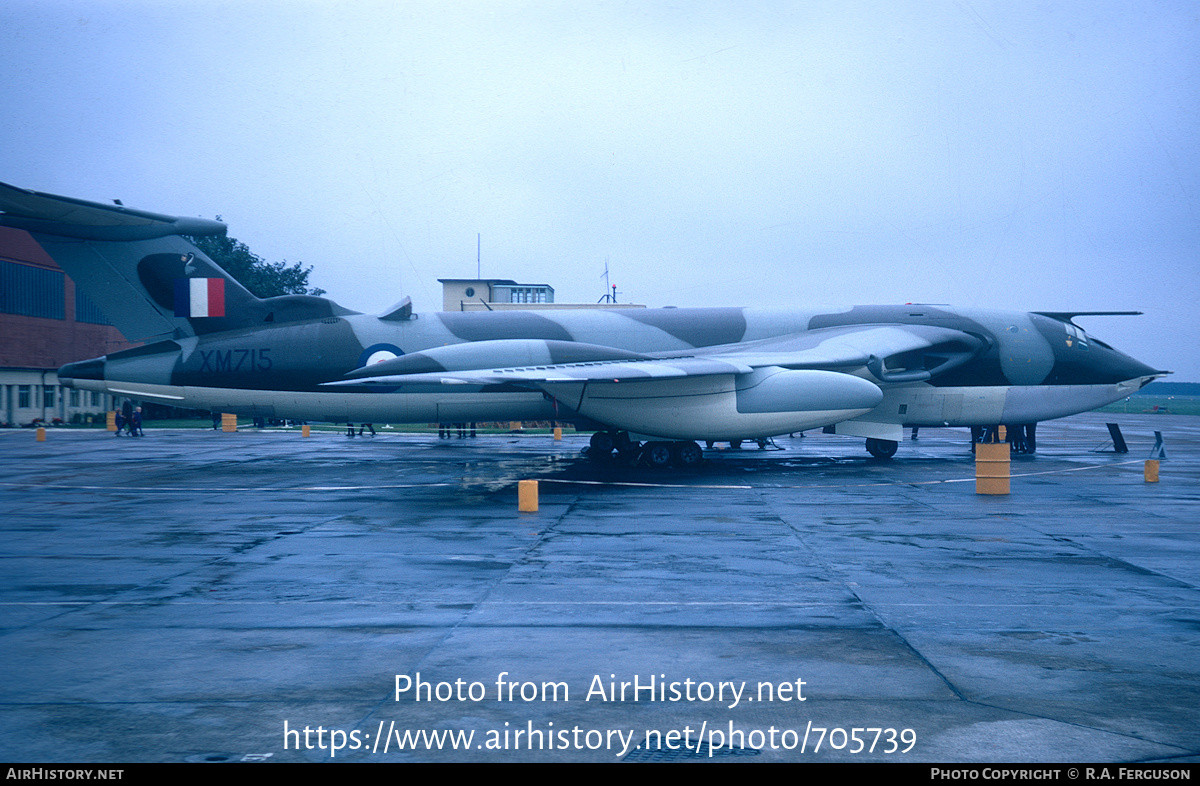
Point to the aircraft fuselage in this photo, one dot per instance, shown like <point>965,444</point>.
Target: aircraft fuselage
<point>1026,368</point>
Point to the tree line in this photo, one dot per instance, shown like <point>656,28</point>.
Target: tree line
<point>262,278</point>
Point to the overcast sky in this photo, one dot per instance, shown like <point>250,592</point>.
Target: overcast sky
<point>1032,156</point>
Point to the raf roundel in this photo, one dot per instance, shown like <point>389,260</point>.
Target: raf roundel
<point>377,353</point>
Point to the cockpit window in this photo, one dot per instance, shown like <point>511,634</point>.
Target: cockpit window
<point>1076,338</point>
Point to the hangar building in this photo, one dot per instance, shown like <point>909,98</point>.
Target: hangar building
<point>44,323</point>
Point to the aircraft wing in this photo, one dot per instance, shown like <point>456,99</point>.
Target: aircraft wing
<point>536,362</point>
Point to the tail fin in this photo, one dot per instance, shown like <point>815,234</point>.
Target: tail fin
<point>149,280</point>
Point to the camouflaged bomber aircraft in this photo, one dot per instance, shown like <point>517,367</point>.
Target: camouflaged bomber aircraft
<point>667,376</point>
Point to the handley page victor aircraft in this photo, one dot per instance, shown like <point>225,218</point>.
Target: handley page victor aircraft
<point>668,375</point>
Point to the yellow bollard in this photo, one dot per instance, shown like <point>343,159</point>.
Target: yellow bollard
<point>110,419</point>
<point>228,422</point>
<point>41,437</point>
<point>558,432</point>
<point>1151,470</point>
<point>304,431</point>
<point>992,462</point>
<point>527,496</point>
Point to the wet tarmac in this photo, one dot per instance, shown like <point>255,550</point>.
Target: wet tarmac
<point>184,596</point>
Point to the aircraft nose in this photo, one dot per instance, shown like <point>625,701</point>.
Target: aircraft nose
<point>1121,367</point>
<point>83,369</point>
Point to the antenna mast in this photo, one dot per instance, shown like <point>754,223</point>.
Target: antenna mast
<point>611,298</point>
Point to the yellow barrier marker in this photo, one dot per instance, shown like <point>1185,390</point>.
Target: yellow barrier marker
<point>110,420</point>
<point>527,496</point>
<point>1151,470</point>
<point>228,422</point>
<point>992,467</point>
<point>41,437</point>
<point>304,431</point>
<point>558,432</point>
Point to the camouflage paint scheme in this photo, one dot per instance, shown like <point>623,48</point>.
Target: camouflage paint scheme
<point>680,374</point>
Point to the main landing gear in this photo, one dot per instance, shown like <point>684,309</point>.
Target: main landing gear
<point>655,454</point>
<point>882,448</point>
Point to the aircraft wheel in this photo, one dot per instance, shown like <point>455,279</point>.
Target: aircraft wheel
<point>687,454</point>
<point>601,444</point>
<point>882,448</point>
<point>736,444</point>
<point>658,454</point>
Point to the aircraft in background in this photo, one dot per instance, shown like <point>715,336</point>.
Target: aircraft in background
<point>652,382</point>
